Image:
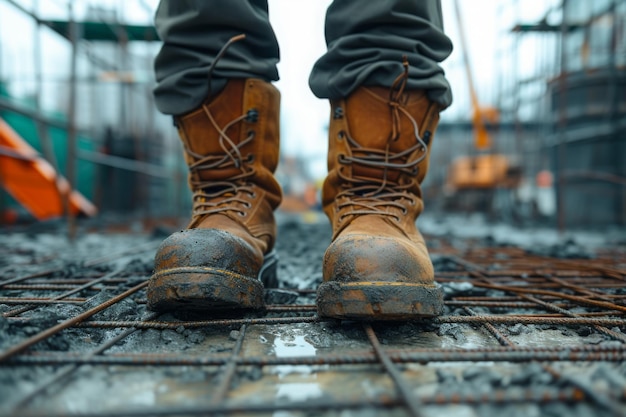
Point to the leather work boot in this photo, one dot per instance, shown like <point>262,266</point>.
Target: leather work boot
<point>377,266</point>
<point>231,145</point>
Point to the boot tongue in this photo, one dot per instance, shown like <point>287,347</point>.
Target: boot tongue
<point>201,137</point>
<point>205,201</point>
<point>211,148</point>
<point>222,174</point>
<point>370,121</point>
<point>377,174</point>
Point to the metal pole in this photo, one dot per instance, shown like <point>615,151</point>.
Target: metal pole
<point>613,116</point>
<point>151,137</point>
<point>562,125</point>
<point>71,119</point>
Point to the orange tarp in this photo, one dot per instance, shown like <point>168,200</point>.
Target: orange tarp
<point>32,181</point>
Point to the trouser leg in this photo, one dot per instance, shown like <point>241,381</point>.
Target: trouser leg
<point>366,42</point>
<point>193,32</point>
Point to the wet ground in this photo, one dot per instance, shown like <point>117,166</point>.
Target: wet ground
<point>533,325</point>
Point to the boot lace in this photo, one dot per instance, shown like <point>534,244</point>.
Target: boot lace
<point>211,197</point>
<point>368,195</point>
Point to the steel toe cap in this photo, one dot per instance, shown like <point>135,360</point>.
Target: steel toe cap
<point>367,258</point>
<point>208,248</point>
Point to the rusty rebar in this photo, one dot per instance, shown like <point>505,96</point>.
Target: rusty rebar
<point>64,372</point>
<point>403,388</point>
<point>25,344</point>
<point>615,335</point>
<point>229,369</point>
<point>92,262</point>
<point>513,354</point>
<point>295,308</point>
<point>574,298</point>
<point>503,319</point>
<point>501,338</point>
<point>88,284</point>
<point>39,300</point>
<point>47,287</point>
<point>162,325</point>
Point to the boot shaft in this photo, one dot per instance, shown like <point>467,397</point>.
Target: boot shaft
<point>379,146</point>
<point>377,266</point>
<point>234,136</point>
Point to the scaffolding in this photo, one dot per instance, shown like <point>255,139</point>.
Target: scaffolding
<point>566,72</point>
<point>108,141</point>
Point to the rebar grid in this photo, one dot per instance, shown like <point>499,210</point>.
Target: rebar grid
<point>488,289</point>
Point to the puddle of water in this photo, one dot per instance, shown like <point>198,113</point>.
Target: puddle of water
<point>293,347</point>
<point>105,396</point>
<point>296,392</point>
<point>299,391</point>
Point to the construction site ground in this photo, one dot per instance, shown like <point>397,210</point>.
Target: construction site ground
<point>533,325</point>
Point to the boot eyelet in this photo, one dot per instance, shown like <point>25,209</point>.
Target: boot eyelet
<point>252,195</point>
<point>341,135</point>
<point>247,205</point>
<point>427,137</point>
<point>251,133</point>
<point>252,116</point>
<point>405,211</point>
<point>242,213</point>
<point>411,202</point>
<point>250,158</point>
<point>341,158</point>
<point>415,171</point>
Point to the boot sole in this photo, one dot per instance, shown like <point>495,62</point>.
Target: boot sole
<point>379,300</point>
<point>206,289</point>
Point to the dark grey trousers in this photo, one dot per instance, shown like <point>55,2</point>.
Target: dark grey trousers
<point>366,40</point>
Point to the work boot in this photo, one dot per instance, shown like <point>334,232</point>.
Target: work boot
<point>231,145</point>
<point>377,266</point>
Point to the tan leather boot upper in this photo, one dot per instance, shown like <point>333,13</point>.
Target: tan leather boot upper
<point>377,266</point>
<point>232,149</point>
<point>231,145</point>
<point>376,165</point>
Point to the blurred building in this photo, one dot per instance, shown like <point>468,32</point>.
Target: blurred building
<point>557,147</point>
<point>561,99</point>
<point>126,162</point>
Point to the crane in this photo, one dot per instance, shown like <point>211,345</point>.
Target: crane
<point>484,170</point>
